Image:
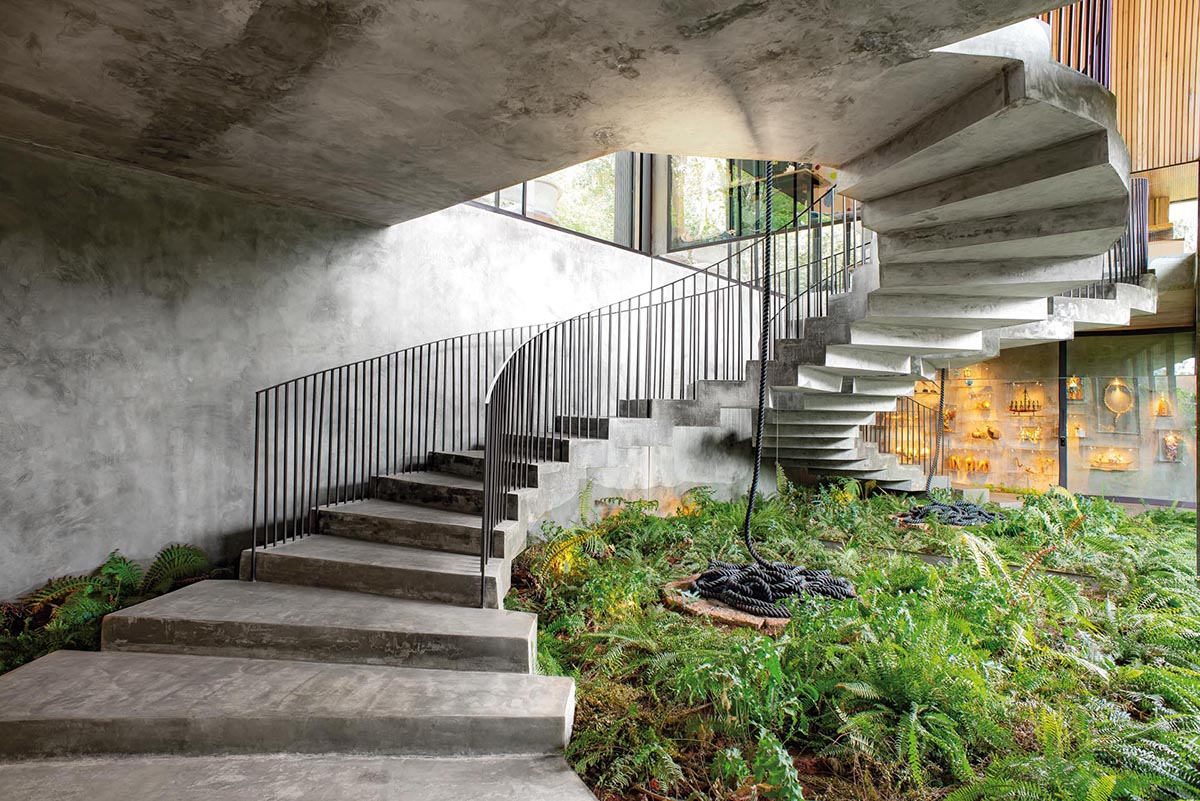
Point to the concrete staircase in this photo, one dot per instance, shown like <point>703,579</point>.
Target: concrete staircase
<point>983,213</point>
<point>362,646</point>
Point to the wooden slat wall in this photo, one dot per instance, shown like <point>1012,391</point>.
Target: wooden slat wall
<point>1156,78</point>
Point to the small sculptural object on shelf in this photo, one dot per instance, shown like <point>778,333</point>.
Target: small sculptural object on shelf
<point>1031,434</point>
<point>986,432</point>
<point>1074,389</point>
<point>1111,460</point>
<point>1170,446</point>
<point>1163,407</point>
<point>1024,404</point>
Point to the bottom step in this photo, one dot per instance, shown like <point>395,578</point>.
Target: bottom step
<point>112,702</point>
<point>287,777</point>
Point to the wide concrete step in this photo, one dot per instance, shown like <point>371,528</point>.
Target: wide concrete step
<point>280,621</point>
<point>954,311</point>
<point>470,464</point>
<point>416,526</point>
<point>1014,278</point>
<point>338,563</point>
<point>1085,229</point>
<point>113,702</point>
<point>846,402</point>
<point>1021,110</point>
<point>1052,177</point>
<point>772,440</point>
<point>289,777</point>
<point>848,360</point>
<point>777,425</point>
<point>834,420</point>
<point>913,339</point>
<point>455,493</point>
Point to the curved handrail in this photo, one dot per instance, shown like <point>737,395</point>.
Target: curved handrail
<point>656,345</point>
<point>320,438</point>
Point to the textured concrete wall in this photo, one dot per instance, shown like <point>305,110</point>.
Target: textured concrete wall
<point>139,313</point>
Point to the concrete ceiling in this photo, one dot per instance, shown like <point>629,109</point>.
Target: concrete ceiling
<point>383,110</point>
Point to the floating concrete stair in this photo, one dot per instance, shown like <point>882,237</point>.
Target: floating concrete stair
<point>276,777</point>
<point>449,491</point>
<point>73,702</point>
<point>415,526</point>
<point>922,339</point>
<point>955,312</point>
<point>278,621</point>
<point>983,212</point>
<point>1011,278</point>
<point>469,464</point>
<point>1072,232</point>
<point>340,563</point>
<point>844,402</point>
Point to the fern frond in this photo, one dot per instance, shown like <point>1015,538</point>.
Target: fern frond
<point>174,563</point>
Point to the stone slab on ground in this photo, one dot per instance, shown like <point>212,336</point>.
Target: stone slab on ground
<point>78,702</point>
<point>289,777</point>
<point>716,611</point>
<point>281,621</point>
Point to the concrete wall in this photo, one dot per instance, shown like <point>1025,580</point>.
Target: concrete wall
<point>138,314</point>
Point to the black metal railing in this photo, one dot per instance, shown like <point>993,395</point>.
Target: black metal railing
<point>1128,260</point>
<point>1081,36</point>
<point>320,438</point>
<point>661,344</point>
<point>910,432</point>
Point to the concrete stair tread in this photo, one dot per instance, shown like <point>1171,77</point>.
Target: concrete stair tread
<point>438,480</point>
<point>340,549</point>
<point>411,525</point>
<point>286,777</point>
<point>241,618</point>
<point>75,702</point>
<point>397,571</point>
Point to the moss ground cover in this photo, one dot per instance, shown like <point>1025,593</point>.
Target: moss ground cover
<point>984,679</point>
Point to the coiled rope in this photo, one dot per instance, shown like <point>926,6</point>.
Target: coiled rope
<point>758,587</point>
<point>959,513</point>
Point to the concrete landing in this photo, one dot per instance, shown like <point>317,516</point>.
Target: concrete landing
<point>288,777</point>
<point>418,527</point>
<point>278,621</point>
<point>345,564</point>
<point>76,702</point>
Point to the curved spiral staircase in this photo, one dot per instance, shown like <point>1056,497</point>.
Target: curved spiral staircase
<point>362,645</point>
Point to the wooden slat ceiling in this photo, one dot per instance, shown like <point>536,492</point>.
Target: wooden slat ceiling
<point>1156,78</point>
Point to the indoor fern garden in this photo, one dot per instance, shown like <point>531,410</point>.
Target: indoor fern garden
<point>66,612</point>
<point>1058,657</point>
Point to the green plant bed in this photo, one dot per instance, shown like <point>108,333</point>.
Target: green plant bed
<point>66,612</point>
<point>964,681</point>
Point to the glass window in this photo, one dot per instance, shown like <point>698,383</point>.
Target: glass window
<point>595,197</point>
<point>717,200</point>
<point>1131,416</point>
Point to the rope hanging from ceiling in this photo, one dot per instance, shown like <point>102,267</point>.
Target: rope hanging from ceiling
<point>759,587</point>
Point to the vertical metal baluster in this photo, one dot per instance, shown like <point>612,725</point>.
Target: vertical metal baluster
<point>254,491</point>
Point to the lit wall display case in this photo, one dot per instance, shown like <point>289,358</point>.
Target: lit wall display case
<point>1110,458</point>
<point>1005,431</point>
<point>1132,433</point>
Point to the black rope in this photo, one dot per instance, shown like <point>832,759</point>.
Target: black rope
<point>959,513</point>
<point>758,587</point>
